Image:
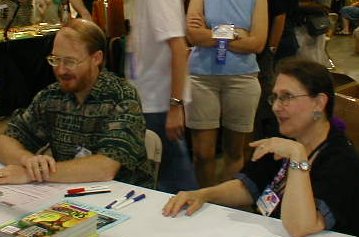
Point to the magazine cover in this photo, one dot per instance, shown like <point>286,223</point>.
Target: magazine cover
<point>61,218</point>
<point>106,218</point>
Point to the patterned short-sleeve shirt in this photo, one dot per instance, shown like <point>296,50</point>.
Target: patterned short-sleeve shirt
<point>109,122</point>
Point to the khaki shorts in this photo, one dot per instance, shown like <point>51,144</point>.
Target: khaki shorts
<point>228,101</point>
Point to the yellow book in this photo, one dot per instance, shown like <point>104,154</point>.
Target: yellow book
<point>61,219</point>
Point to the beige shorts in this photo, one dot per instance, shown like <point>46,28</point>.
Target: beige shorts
<point>228,101</point>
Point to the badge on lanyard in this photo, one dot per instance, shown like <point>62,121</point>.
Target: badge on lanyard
<point>223,33</point>
<point>273,193</point>
<point>267,202</point>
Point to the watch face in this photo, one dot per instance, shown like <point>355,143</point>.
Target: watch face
<point>304,165</point>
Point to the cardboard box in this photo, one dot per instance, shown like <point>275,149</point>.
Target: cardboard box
<point>347,108</point>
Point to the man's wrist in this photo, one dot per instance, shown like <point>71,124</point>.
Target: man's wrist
<point>176,102</point>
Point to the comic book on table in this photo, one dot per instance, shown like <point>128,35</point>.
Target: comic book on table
<point>60,219</point>
<point>66,218</point>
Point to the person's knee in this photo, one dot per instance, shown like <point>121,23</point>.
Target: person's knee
<point>233,144</point>
<point>204,153</point>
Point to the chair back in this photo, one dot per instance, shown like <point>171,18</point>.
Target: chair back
<point>153,145</point>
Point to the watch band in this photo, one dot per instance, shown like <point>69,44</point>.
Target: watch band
<point>176,102</point>
<point>301,165</point>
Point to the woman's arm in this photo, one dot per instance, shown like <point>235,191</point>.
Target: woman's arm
<point>257,37</point>
<point>298,209</point>
<point>198,33</point>
<point>299,213</point>
<point>231,193</point>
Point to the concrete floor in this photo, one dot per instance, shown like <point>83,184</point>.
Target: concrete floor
<point>346,61</point>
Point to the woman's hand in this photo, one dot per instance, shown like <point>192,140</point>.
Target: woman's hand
<point>241,33</point>
<point>39,167</point>
<point>280,147</point>
<point>192,201</point>
<point>14,174</point>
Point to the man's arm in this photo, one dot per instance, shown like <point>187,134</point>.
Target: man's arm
<point>276,30</point>
<point>11,151</point>
<point>85,169</point>
<point>175,118</point>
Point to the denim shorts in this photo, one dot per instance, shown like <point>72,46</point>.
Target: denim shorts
<point>350,12</point>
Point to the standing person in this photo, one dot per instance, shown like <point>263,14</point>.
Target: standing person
<point>225,88</point>
<point>311,47</point>
<point>160,70</point>
<point>281,42</point>
<point>53,11</point>
<point>310,179</point>
<point>349,14</point>
<point>91,119</point>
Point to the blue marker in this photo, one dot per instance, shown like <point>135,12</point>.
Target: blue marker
<point>120,200</point>
<point>130,201</point>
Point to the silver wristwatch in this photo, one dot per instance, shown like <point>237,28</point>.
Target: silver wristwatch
<point>301,165</point>
<point>176,102</point>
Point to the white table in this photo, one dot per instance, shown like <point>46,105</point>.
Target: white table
<point>146,217</point>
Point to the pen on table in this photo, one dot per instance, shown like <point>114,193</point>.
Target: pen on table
<point>130,201</point>
<point>87,189</point>
<point>86,193</point>
<point>120,200</point>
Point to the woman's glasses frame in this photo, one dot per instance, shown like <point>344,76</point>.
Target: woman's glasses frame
<point>283,99</point>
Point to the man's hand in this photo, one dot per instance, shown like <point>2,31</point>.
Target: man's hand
<point>39,167</point>
<point>14,174</point>
<point>175,123</point>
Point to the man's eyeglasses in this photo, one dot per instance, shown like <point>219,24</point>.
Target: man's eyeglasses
<point>283,99</point>
<point>68,62</point>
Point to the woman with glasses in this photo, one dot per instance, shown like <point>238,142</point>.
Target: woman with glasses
<point>309,177</point>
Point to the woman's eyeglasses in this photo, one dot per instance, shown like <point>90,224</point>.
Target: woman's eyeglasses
<point>68,62</point>
<point>284,99</point>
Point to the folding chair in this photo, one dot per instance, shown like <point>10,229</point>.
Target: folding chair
<point>153,145</point>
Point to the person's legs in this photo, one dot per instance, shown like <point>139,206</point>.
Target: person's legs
<point>204,152</point>
<point>238,119</point>
<point>202,117</point>
<point>348,14</point>
<point>346,26</point>
<point>176,170</point>
<point>233,153</point>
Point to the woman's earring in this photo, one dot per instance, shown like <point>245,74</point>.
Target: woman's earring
<point>317,115</point>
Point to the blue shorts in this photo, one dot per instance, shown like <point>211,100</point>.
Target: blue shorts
<point>350,12</point>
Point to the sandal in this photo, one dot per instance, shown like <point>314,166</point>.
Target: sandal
<point>342,33</point>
